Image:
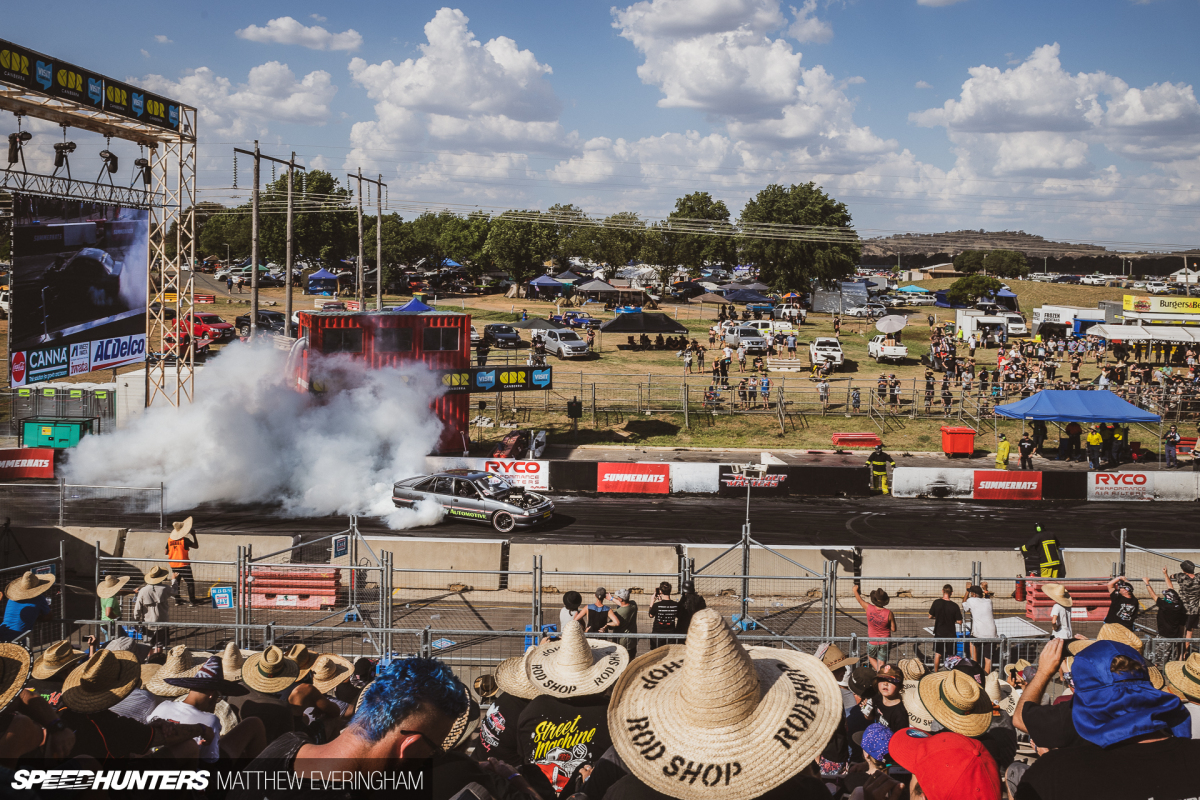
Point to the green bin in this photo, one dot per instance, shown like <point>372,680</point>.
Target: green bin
<point>57,432</point>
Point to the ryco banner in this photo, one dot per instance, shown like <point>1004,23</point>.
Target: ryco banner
<point>530,474</point>
<point>27,462</point>
<point>633,478</point>
<point>1107,486</point>
<point>1000,484</point>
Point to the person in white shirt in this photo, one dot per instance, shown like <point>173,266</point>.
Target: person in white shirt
<point>245,740</point>
<point>1060,614</point>
<point>983,625</point>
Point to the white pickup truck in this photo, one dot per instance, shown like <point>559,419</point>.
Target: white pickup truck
<point>825,348</point>
<point>879,350</point>
<point>5,304</point>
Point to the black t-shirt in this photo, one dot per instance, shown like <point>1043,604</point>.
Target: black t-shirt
<point>895,717</point>
<point>1025,446</point>
<point>800,787</point>
<point>105,735</point>
<point>559,735</point>
<point>276,714</point>
<point>945,614</point>
<point>1000,740</point>
<point>48,690</point>
<point>1123,611</point>
<point>1051,726</point>
<point>1155,771</point>
<point>665,613</point>
<point>498,729</point>
<point>688,606</point>
<point>1171,619</point>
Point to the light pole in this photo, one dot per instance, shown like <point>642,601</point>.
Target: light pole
<point>226,253</point>
<point>750,473</point>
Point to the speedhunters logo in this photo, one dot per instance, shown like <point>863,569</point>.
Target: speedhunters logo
<point>113,779</point>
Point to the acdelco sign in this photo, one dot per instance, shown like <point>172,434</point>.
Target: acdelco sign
<point>530,474</point>
<point>1104,486</point>
<point>630,478</point>
<point>1007,485</point>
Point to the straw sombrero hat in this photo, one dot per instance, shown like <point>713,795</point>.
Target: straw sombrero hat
<point>911,668</point>
<point>512,678</point>
<point>1156,676</point>
<point>148,673</point>
<point>1112,632</point>
<point>29,586</point>
<point>15,666</point>
<point>955,700</point>
<point>1018,667</point>
<point>303,657</point>
<point>1076,646</point>
<point>991,687</point>
<point>1185,677</point>
<point>111,585</point>
<point>181,663</point>
<point>751,717</point>
<point>486,686</point>
<point>330,670</point>
<point>465,725</point>
<point>574,665</point>
<point>232,659</point>
<point>207,679</point>
<point>1058,593</point>
<point>270,672</point>
<point>833,657</point>
<point>156,575</point>
<point>226,715</point>
<point>180,529</point>
<point>104,680</point>
<point>54,659</point>
<point>918,715</point>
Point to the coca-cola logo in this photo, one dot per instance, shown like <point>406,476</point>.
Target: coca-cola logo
<point>18,368</point>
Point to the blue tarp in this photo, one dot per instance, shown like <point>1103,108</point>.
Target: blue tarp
<point>414,305</point>
<point>746,296</point>
<point>322,274</point>
<point>322,281</point>
<point>1080,405</point>
<point>913,289</point>
<point>941,300</point>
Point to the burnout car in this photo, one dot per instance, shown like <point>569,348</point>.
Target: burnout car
<point>472,495</point>
<point>83,286</point>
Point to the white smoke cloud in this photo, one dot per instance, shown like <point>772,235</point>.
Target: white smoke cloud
<point>250,438</point>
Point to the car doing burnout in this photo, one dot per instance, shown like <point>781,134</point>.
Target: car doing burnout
<point>480,496</point>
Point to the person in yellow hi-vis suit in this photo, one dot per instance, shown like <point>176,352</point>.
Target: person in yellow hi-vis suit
<point>1002,453</point>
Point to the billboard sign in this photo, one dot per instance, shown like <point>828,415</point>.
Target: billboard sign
<point>497,379</point>
<point>27,462</point>
<point>1120,486</point>
<point>774,482</point>
<point>530,474</point>
<point>1161,304</point>
<point>39,73</point>
<point>1001,484</point>
<point>633,478</point>
<point>78,288</point>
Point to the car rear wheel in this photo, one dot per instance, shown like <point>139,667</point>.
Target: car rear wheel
<point>503,522</point>
<point>244,330</point>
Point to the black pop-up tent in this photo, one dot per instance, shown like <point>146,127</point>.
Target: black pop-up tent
<point>643,322</point>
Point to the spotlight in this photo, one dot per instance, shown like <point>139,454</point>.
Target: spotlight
<point>143,167</point>
<point>15,141</point>
<point>110,160</point>
<point>61,151</point>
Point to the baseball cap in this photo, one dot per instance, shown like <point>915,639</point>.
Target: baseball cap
<point>861,681</point>
<point>948,765</point>
<point>622,594</point>
<point>874,740</point>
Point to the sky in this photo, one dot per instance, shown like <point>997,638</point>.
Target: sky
<point>1074,121</point>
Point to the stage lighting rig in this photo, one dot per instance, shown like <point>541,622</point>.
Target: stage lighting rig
<point>62,153</point>
<point>142,168</point>
<point>16,148</point>
<point>110,164</point>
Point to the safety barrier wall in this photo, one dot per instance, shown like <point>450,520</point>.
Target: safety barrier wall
<point>1022,486</point>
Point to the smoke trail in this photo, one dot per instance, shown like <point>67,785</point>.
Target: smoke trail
<point>250,438</point>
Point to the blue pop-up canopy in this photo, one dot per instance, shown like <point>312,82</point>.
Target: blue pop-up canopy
<point>913,289</point>
<point>414,306</point>
<point>322,281</point>
<point>746,296</point>
<point>546,280</point>
<point>1079,405</point>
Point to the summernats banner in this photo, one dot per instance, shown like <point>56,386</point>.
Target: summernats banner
<point>27,462</point>
<point>633,478</point>
<point>1000,484</point>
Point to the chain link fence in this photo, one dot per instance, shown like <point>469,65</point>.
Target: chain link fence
<point>73,504</point>
<point>42,629</point>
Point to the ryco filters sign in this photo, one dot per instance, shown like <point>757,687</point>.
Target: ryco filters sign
<point>1002,484</point>
<point>530,474</point>
<point>631,478</point>
<point>1104,486</point>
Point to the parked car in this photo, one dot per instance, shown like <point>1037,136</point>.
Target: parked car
<point>480,496</point>
<point>879,350</point>
<point>871,310</point>
<point>1157,287</point>
<point>751,338</point>
<point>565,344</point>
<point>209,327</point>
<point>1068,279</point>
<point>268,322</point>
<point>922,300</point>
<point>826,348</point>
<point>168,310</point>
<point>476,337</point>
<point>1094,280</point>
<point>500,335</point>
<point>576,319</point>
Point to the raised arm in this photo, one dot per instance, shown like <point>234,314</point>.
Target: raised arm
<point>859,598</point>
<point>1112,585</point>
<point>1166,574</point>
<point>1047,666</point>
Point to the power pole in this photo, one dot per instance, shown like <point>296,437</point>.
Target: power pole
<point>379,187</point>
<point>291,165</point>
<point>362,292</point>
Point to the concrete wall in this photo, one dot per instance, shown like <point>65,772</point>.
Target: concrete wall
<point>213,547</point>
<point>42,543</point>
<point>939,564</point>
<point>695,478</point>
<point>762,562</point>
<point>461,555</point>
<point>634,565</point>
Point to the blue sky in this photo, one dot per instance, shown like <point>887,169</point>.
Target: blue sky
<point>1071,120</point>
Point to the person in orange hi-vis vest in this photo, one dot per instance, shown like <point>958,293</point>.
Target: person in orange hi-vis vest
<point>180,540</point>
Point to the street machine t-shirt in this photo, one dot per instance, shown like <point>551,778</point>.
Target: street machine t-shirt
<point>559,735</point>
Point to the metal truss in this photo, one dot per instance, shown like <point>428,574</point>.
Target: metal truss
<point>171,203</point>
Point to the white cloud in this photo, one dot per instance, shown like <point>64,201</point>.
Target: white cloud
<point>808,28</point>
<point>318,18</point>
<point>271,93</point>
<point>161,39</point>
<point>923,85</point>
<point>460,92</point>
<point>145,52</point>
<point>287,30</point>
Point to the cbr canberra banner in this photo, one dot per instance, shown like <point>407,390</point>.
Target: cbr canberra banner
<point>78,288</point>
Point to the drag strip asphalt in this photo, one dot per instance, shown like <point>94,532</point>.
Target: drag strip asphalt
<point>859,522</point>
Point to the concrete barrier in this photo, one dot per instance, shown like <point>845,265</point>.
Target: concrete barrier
<point>469,558</point>
<point>926,564</point>
<point>695,478</point>
<point>586,564</point>
<point>213,547</point>
<point>42,543</point>
<point>932,482</point>
<point>1176,486</point>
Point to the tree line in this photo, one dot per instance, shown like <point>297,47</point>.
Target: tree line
<point>325,231</point>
